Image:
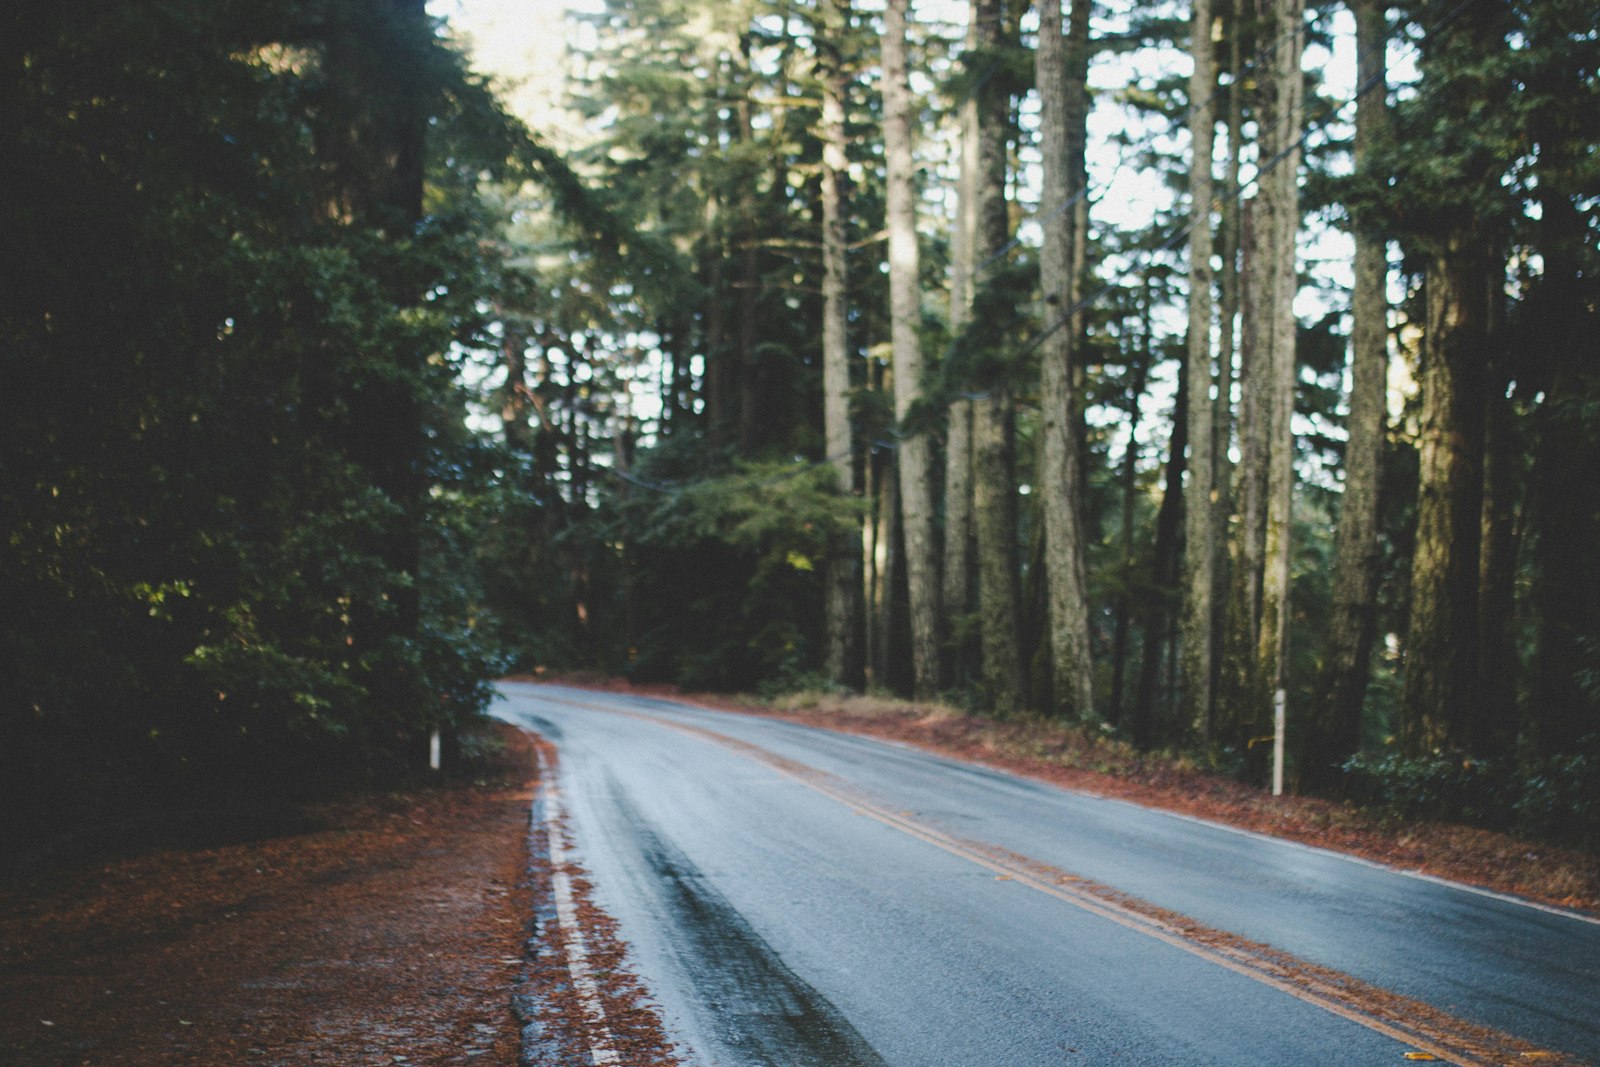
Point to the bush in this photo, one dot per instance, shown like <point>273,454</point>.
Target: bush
<point>1559,799</point>
<point>1555,798</point>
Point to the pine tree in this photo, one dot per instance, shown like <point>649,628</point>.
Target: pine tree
<point>993,461</point>
<point>905,283</point>
<point>1063,114</point>
<point>1201,497</point>
<point>1335,734</point>
<point>844,563</point>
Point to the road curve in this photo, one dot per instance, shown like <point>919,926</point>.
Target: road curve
<point>794,896</point>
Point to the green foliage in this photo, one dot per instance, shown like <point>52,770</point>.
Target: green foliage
<point>728,573</point>
<point>1557,799</point>
<point>989,352</point>
<point>220,568</point>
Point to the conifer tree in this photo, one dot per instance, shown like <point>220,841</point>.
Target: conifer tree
<point>905,313</point>
<point>1063,114</point>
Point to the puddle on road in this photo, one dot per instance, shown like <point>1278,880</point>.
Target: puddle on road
<point>541,726</point>
<point>759,1010</point>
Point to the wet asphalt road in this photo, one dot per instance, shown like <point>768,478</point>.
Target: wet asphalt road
<point>795,896</point>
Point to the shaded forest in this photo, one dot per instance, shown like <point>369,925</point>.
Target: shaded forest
<point>1158,368</point>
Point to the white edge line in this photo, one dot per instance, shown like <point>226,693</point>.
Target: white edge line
<point>1321,850</point>
<point>602,1045</point>
<point>1377,865</point>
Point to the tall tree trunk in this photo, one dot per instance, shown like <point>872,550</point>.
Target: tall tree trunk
<point>905,314</point>
<point>871,488</point>
<point>1237,685</point>
<point>1495,731</point>
<point>1441,641</point>
<point>747,285</point>
<point>995,517</point>
<point>1200,555</point>
<point>720,373</point>
<point>844,564</point>
<point>1228,355</point>
<point>993,460</point>
<point>516,399</point>
<point>1130,470</point>
<point>1441,700</point>
<point>1063,108</point>
<point>959,539</point>
<point>886,568</point>
<point>1335,734</point>
<point>1287,118</point>
<point>1563,710</point>
<point>1158,593</point>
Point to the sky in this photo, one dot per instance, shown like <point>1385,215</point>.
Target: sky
<point>523,45</point>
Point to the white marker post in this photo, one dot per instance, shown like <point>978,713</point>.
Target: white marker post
<point>1279,699</point>
<point>433,750</point>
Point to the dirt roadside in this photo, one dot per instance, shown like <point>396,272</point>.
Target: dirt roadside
<point>400,929</point>
<point>392,933</point>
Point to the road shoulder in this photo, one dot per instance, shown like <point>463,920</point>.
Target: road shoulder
<point>391,933</point>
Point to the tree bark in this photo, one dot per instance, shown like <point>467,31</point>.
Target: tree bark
<point>1280,186</point>
<point>516,399</point>
<point>1336,733</point>
<point>959,538</point>
<point>1441,700</point>
<point>1200,558</point>
<point>844,565</point>
<point>1564,712</point>
<point>1063,109</point>
<point>886,569</point>
<point>1229,330</point>
<point>1140,374</point>
<point>1237,682</point>
<point>719,372</point>
<point>1441,642</point>
<point>1154,597</point>
<point>993,463</point>
<point>753,417</point>
<point>995,515</point>
<point>905,313</point>
<point>1495,731</point>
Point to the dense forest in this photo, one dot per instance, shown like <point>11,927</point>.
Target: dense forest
<point>1161,368</point>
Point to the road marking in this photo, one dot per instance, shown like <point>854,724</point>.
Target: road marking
<point>1410,1022</point>
<point>1388,868</point>
<point>602,1049</point>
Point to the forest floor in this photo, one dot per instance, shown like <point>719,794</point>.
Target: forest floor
<point>385,929</point>
<point>394,929</point>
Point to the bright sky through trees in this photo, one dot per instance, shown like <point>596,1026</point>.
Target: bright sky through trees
<point>255,527</point>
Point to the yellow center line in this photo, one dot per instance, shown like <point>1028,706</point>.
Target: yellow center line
<point>1408,1021</point>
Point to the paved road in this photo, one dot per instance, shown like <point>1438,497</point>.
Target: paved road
<point>795,896</point>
